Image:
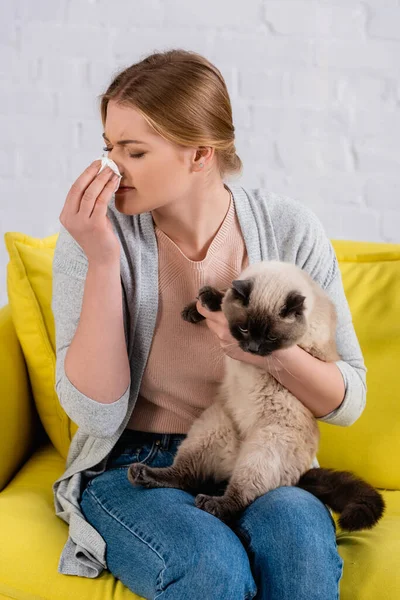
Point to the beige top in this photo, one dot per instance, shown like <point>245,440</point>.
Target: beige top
<point>186,361</point>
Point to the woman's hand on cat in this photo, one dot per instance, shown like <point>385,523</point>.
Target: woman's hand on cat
<point>218,324</point>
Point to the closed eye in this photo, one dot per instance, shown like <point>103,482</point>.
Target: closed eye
<point>242,330</point>
<point>107,149</point>
<point>271,338</point>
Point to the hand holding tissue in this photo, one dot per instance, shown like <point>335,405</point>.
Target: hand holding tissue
<point>107,162</point>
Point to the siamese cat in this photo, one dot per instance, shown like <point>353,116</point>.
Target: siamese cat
<point>257,436</point>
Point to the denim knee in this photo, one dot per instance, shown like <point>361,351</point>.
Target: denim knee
<point>194,555</point>
<point>218,564</point>
<point>290,537</point>
<point>291,508</point>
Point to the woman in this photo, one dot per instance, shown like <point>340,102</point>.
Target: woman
<point>137,375</point>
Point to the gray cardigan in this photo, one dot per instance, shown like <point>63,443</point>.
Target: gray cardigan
<point>273,227</point>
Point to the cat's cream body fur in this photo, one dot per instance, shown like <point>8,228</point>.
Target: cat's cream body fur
<point>256,434</point>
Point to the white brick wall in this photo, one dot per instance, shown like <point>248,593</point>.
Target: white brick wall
<point>314,84</point>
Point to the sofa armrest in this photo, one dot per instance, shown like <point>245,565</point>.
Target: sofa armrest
<point>18,416</point>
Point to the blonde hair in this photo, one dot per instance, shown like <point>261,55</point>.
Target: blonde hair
<point>184,98</point>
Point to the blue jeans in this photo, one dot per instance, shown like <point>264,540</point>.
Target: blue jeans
<point>160,545</point>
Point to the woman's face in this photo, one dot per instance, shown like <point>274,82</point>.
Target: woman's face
<point>158,170</point>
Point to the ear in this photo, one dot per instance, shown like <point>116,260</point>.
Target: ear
<point>294,305</point>
<point>241,289</point>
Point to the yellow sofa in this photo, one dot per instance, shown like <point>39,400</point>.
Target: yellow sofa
<point>35,432</point>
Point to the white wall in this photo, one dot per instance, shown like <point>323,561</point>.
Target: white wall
<point>314,87</point>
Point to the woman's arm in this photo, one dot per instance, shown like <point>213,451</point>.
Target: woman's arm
<point>334,392</point>
<point>318,385</point>
<point>316,255</point>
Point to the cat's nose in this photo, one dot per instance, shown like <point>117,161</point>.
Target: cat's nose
<point>253,346</point>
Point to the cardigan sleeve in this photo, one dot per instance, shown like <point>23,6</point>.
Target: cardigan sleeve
<point>69,270</point>
<point>316,255</point>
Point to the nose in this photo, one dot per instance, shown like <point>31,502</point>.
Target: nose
<point>254,346</point>
<point>117,162</point>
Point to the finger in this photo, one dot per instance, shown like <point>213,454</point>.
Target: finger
<point>73,200</point>
<point>201,309</point>
<point>101,204</point>
<point>93,192</point>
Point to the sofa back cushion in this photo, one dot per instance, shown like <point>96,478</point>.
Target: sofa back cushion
<point>371,446</point>
<point>29,287</point>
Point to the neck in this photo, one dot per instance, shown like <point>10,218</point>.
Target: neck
<point>192,224</point>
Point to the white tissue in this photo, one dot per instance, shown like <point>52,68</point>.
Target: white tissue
<point>107,162</point>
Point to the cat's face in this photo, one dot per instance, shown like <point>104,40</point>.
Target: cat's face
<point>265,321</point>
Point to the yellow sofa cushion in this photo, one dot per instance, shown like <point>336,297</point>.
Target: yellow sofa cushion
<point>19,429</point>
<point>33,538</point>
<point>371,446</point>
<point>29,287</point>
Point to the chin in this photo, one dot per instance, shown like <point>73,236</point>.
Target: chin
<point>127,207</point>
<point>133,206</point>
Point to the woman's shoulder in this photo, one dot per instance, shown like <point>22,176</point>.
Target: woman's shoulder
<point>289,217</point>
<point>283,207</point>
<point>299,234</point>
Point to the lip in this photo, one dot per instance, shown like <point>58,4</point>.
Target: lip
<point>123,188</point>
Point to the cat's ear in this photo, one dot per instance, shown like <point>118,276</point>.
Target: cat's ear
<point>241,289</point>
<point>294,305</point>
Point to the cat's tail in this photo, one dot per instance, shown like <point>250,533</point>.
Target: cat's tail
<point>360,505</point>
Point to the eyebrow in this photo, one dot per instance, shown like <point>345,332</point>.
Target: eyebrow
<point>124,142</point>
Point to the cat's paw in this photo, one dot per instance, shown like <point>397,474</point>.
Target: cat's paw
<point>212,505</point>
<point>218,506</point>
<point>191,314</point>
<point>139,474</point>
<point>206,503</point>
<point>210,298</point>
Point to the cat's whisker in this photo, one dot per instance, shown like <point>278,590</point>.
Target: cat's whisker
<point>217,359</point>
<point>273,367</point>
<point>217,356</point>
<point>217,349</point>
<point>215,352</point>
<point>287,370</point>
<point>232,344</point>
